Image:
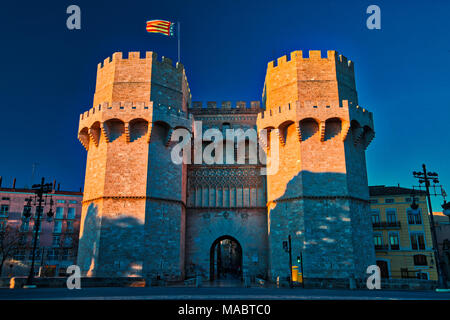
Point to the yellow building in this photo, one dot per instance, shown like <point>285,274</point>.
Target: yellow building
<point>402,236</point>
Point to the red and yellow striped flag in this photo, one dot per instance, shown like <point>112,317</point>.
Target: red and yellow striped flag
<point>161,26</point>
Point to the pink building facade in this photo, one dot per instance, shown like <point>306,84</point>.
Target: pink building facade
<point>58,237</point>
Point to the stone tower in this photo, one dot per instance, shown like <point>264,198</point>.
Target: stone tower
<point>319,195</point>
<point>133,218</point>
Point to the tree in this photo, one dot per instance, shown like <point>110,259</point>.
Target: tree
<point>9,243</point>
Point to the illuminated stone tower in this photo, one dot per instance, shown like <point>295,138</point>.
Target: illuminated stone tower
<point>133,220</point>
<point>319,195</point>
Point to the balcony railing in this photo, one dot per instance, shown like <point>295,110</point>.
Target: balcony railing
<point>386,225</point>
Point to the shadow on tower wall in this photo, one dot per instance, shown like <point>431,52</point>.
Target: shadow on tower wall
<point>329,225</point>
<point>110,247</point>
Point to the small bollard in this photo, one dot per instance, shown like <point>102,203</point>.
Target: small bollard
<point>352,283</point>
<point>246,281</point>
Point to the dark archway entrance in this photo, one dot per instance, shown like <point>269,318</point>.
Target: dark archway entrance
<point>225,259</point>
<point>384,270</point>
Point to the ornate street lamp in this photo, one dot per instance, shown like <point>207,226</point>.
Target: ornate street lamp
<point>39,199</point>
<point>426,178</point>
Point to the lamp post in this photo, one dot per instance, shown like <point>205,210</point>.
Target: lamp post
<point>288,248</point>
<point>39,190</point>
<point>425,177</point>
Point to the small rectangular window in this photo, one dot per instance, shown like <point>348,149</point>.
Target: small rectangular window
<point>59,213</point>
<point>414,216</point>
<point>378,240</point>
<point>375,216</point>
<point>389,200</point>
<point>420,260</point>
<point>58,226</point>
<point>4,210</point>
<point>417,241</point>
<point>71,213</point>
<point>56,241</point>
<point>394,241</point>
<point>25,225</point>
<point>391,216</point>
<point>69,226</point>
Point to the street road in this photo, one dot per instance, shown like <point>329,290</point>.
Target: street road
<point>213,293</point>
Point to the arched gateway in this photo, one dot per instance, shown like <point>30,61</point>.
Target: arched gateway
<point>225,259</point>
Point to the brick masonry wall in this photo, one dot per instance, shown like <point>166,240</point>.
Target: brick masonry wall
<point>319,195</point>
<point>133,220</point>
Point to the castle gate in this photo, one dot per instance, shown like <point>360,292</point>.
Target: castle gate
<point>226,259</point>
<point>241,235</point>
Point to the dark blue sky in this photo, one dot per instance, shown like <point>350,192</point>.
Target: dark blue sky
<point>48,72</point>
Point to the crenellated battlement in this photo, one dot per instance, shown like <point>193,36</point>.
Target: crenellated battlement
<point>316,77</point>
<point>126,111</point>
<point>253,105</point>
<point>139,77</point>
<point>134,56</point>
<point>116,106</point>
<point>313,56</point>
<point>318,110</point>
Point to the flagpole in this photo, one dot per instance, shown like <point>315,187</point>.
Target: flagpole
<point>178,31</point>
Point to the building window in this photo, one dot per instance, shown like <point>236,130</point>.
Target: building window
<point>391,216</point>
<point>71,213</point>
<point>69,226</point>
<point>52,254</point>
<point>68,241</point>
<point>373,201</point>
<point>420,260</point>
<point>394,241</point>
<point>389,200</point>
<point>65,254</point>
<point>73,201</point>
<point>57,227</point>
<point>422,275</point>
<point>378,240</point>
<point>25,225</point>
<point>4,210</point>
<point>417,241</point>
<point>27,211</point>
<point>375,216</point>
<point>60,201</point>
<point>414,216</point>
<point>56,241</point>
<point>59,213</point>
